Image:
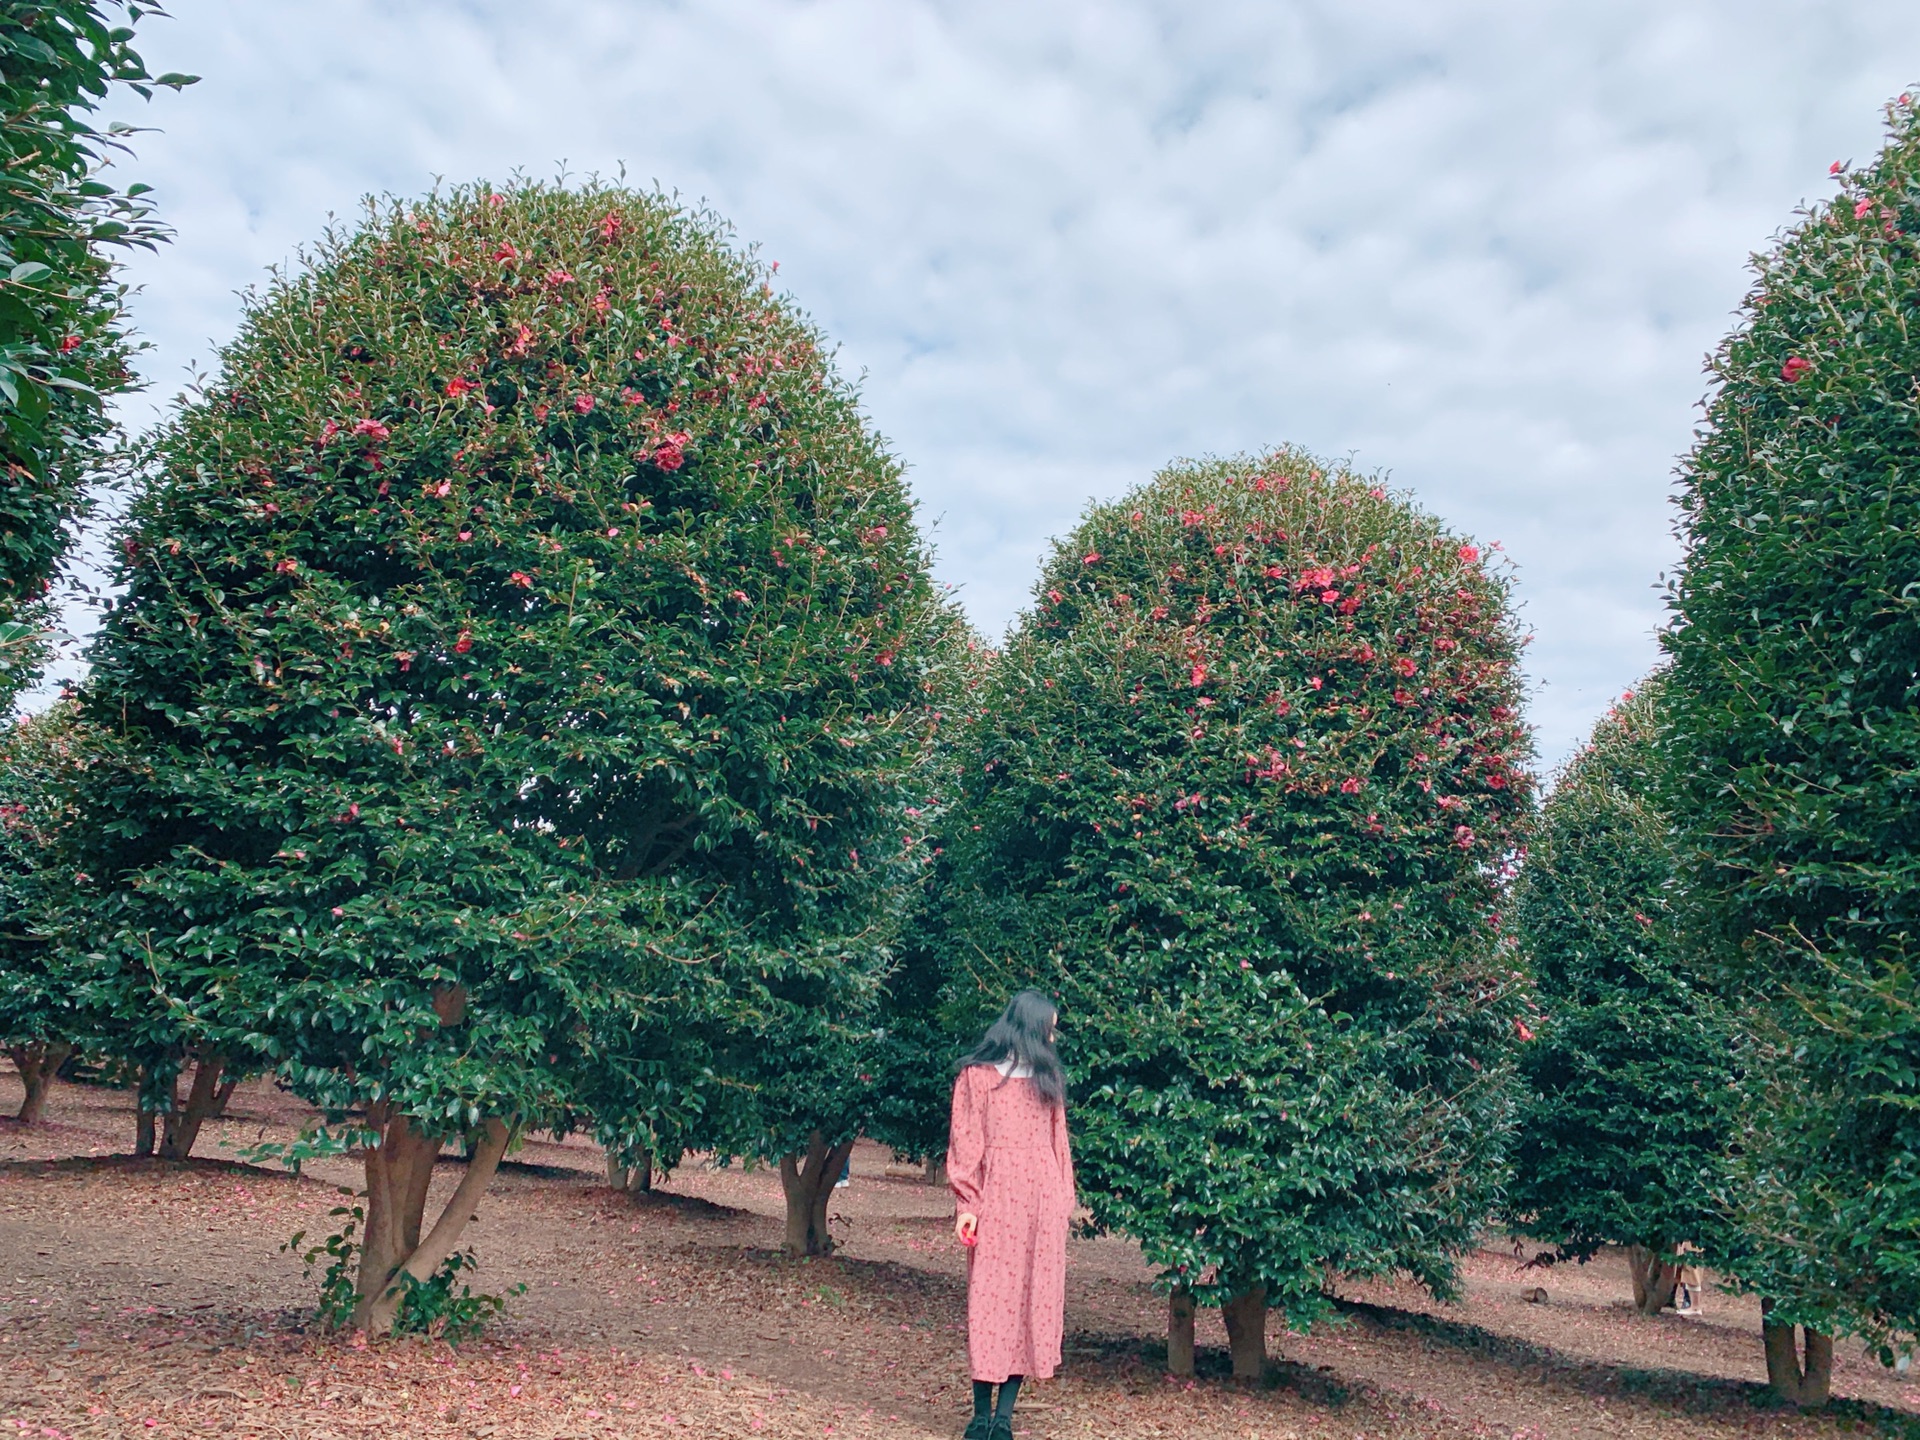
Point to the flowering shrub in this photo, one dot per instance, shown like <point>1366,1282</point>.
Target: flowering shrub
<point>1240,794</point>
<point>1622,1136</point>
<point>514,691</point>
<point>1795,734</point>
<point>62,341</point>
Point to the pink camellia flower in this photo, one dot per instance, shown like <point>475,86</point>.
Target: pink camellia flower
<point>1055,596</point>
<point>506,254</point>
<point>286,567</point>
<point>442,490</point>
<point>1468,553</point>
<point>1405,666</point>
<point>1092,557</point>
<point>1351,785</point>
<point>1198,675</point>
<point>671,453</point>
<point>610,224</point>
<point>1327,597</point>
<point>521,578</point>
<point>69,344</point>
<point>328,431</point>
<point>557,276</point>
<point>464,643</point>
<point>1463,836</point>
<point>405,657</point>
<point>496,199</point>
<point>466,534</point>
<point>1377,493</point>
<point>1836,167</point>
<point>1796,366</point>
<point>1861,208</point>
<point>1520,1029</point>
<point>631,396</point>
<point>459,386</point>
<point>1314,682</point>
<point>373,430</point>
<point>522,339</point>
<point>583,404</point>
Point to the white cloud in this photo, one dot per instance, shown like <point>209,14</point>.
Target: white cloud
<point>1483,245</point>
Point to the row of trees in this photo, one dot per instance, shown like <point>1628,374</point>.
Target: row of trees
<point>528,707</point>
<point>1719,909</point>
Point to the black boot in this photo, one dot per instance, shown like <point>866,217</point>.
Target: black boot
<point>979,1428</point>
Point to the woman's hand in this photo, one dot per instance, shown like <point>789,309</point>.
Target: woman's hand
<point>966,1225</point>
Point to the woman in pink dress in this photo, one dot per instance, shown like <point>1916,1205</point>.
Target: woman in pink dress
<point>1012,1178</point>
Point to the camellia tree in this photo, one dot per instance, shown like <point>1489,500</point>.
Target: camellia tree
<point>63,345</point>
<point>41,1010</point>
<point>1623,1133</point>
<point>514,680</point>
<point>1241,795</point>
<point>1794,734</point>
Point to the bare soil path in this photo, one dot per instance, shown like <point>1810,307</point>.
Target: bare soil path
<point>142,1298</point>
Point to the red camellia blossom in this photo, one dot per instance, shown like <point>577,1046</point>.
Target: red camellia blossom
<point>521,578</point>
<point>1198,675</point>
<point>1795,367</point>
<point>69,344</point>
<point>671,453</point>
<point>373,430</point>
<point>1521,1029</point>
<point>1861,208</point>
<point>1405,666</point>
<point>557,276</point>
<point>1092,557</point>
<point>506,253</point>
<point>582,404</point>
<point>459,386</point>
<point>1468,553</point>
<point>1351,785</point>
<point>465,643</point>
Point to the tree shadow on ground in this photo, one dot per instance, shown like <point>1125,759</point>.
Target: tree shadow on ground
<point>1684,1390</point>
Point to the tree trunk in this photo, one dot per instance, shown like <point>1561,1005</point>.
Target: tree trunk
<point>183,1123</point>
<point>808,1184</point>
<point>399,1170</point>
<point>1246,1317</point>
<point>937,1170</point>
<point>223,1095</point>
<point>1180,1333</point>
<point>38,1063</point>
<point>1808,1388</point>
<point>1654,1279</point>
<point>635,1179</point>
<point>142,1131</point>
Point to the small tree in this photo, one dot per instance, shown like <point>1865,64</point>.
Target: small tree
<point>63,345</point>
<point>1622,1136</point>
<point>41,1014</point>
<point>1239,794</point>
<point>510,683</point>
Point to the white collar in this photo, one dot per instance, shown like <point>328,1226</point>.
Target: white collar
<point>1006,1067</point>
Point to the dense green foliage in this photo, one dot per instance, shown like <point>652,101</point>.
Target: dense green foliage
<point>62,343</point>
<point>1622,1136</point>
<point>41,988</point>
<point>514,694</point>
<point>1240,795</point>
<point>1795,740</point>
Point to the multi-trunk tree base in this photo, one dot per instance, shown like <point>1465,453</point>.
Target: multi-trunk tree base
<point>807,1181</point>
<point>1246,1320</point>
<point>38,1063</point>
<point>1654,1278</point>
<point>1807,1385</point>
<point>171,1133</point>
<point>636,1179</point>
<point>399,1170</point>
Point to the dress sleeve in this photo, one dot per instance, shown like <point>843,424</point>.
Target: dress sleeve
<point>1063,1151</point>
<point>967,1143</point>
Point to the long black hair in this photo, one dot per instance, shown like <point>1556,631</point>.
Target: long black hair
<point>1023,1034</point>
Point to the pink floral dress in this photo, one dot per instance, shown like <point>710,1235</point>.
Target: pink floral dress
<point>1008,1163</point>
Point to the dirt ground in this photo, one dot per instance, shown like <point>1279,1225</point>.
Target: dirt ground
<point>139,1298</point>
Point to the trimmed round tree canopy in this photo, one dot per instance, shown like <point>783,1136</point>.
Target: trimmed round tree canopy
<point>1796,738</point>
<point>516,645</point>
<point>1241,797</point>
<point>1622,1135</point>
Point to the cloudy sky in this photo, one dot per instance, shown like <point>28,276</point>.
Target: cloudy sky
<point>1481,246</point>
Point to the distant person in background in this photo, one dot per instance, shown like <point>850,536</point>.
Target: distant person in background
<point>1011,1173</point>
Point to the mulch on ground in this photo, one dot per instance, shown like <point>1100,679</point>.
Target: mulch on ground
<point>142,1298</point>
